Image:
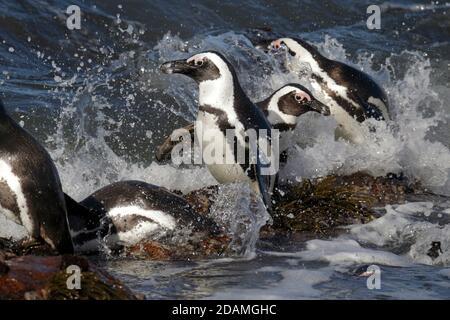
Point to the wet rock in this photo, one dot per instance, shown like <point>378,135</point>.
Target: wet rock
<point>150,250</point>
<point>201,248</point>
<point>36,277</point>
<point>319,207</point>
<point>202,200</point>
<point>26,247</point>
<point>4,269</point>
<point>391,189</point>
<point>70,260</point>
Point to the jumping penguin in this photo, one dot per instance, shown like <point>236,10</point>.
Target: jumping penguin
<point>223,105</point>
<point>352,95</point>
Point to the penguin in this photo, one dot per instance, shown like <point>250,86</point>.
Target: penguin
<point>283,108</point>
<point>223,105</point>
<point>30,188</point>
<point>352,95</point>
<point>124,213</point>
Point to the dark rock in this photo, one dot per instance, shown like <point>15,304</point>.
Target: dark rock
<point>320,206</point>
<point>70,260</point>
<point>203,199</point>
<point>4,269</point>
<point>34,277</point>
<point>191,249</point>
<point>26,247</point>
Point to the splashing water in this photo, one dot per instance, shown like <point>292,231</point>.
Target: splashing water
<point>114,110</point>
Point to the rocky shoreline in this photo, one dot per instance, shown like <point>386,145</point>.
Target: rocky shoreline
<point>35,277</point>
<point>313,208</point>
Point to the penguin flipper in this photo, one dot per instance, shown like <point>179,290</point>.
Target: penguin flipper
<point>264,187</point>
<point>265,182</point>
<point>165,149</point>
<point>370,110</point>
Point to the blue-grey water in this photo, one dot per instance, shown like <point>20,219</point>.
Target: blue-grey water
<point>95,98</point>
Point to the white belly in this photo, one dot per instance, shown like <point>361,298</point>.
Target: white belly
<point>348,127</point>
<point>217,154</point>
<point>14,184</point>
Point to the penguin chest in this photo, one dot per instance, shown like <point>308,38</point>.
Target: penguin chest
<point>13,203</point>
<point>217,151</point>
<point>348,127</point>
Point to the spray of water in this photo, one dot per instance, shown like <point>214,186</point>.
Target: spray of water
<point>90,151</point>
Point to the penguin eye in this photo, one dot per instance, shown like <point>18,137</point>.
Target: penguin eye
<point>199,63</point>
<point>299,98</point>
<point>302,98</point>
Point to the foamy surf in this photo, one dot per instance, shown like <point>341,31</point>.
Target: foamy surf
<point>116,109</point>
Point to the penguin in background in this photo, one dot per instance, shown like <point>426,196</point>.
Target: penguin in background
<point>352,95</point>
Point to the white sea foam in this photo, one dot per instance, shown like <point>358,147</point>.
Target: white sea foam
<point>344,252</point>
<point>408,227</point>
<point>10,229</point>
<point>409,230</point>
<point>298,283</point>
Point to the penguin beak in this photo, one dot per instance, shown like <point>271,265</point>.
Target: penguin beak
<point>320,108</point>
<point>177,66</point>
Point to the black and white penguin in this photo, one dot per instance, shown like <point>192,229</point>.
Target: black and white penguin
<point>283,108</point>
<point>30,189</point>
<point>352,95</point>
<point>127,212</point>
<point>223,105</point>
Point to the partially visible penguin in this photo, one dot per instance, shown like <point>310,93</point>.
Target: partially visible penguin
<point>30,189</point>
<point>352,95</point>
<point>283,108</point>
<point>127,212</point>
<point>223,105</point>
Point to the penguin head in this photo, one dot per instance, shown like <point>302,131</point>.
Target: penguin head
<point>205,66</point>
<point>297,48</point>
<point>294,100</point>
